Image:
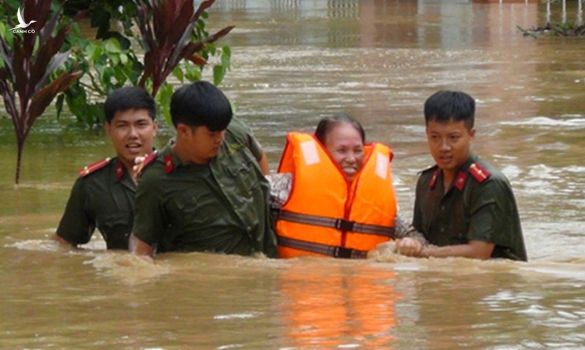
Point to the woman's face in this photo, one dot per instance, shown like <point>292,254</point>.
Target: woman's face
<point>344,144</point>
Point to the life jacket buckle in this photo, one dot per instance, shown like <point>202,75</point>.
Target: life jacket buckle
<point>344,225</point>
<point>344,253</point>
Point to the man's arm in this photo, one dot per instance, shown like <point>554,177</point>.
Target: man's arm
<point>412,241</point>
<point>409,241</point>
<point>243,133</point>
<point>148,215</point>
<point>263,162</point>
<point>259,154</point>
<point>76,225</point>
<point>473,249</point>
<point>63,242</point>
<point>479,245</point>
<point>139,247</point>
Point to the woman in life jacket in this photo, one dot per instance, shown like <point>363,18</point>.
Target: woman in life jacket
<point>333,193</point>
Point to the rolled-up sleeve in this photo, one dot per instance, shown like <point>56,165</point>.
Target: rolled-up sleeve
<point>487,214</point>
<point>76,225</point>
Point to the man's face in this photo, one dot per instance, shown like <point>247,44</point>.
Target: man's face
<point>203,144</point>
<point>132,133</point>
<point>449,143</point>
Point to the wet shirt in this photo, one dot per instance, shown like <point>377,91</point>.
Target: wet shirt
<point>217,207</point>
<point>103,198</point>
<point>471,209</point>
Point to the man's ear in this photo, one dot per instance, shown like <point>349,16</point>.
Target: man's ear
<point>472,132</point>
<point>183,129</point>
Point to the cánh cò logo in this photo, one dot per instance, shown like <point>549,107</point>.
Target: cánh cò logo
<point>22,25</point>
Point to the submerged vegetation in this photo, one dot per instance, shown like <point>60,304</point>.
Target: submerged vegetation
<point>551,29</point>
<point>49,58</point>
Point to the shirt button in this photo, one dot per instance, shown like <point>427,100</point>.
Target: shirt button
<point>442,207</point>
<point>442,229</point>
<point>248,228</point>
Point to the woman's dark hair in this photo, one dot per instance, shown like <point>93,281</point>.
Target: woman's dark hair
<point>126,98</point>
<point>328,123</point>
<point>201,104</point>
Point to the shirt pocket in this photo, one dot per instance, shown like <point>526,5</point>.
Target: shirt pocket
<point>245,176</point>
<point>197,207</point>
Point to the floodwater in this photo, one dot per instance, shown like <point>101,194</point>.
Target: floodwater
<point>293,63</point>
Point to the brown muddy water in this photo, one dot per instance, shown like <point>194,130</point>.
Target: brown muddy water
<point>293,63</point>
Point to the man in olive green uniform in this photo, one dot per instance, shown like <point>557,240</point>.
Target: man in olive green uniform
<point>463,206</point>
<point>206,192</point>
<point>103,195</point>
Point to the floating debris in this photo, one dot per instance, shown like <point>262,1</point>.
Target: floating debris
<point>563,29</point>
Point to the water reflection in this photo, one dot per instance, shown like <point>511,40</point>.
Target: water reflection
<point>337,306</point>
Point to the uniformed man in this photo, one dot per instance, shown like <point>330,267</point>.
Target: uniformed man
<point>206,192</point>
<point>464,206</point>
<point>103,195</point>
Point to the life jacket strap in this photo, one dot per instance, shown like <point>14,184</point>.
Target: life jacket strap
<point>339,224</point>
<point>329,250</point>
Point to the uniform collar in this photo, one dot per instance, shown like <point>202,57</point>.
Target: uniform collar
<point>122,176</point>
<point>460,178</point>
<point>119,170</point>
<point>171,160</point>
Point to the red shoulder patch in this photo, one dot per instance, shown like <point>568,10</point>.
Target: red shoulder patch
<point>460,180</point>
<point>478,172</point>
<point>88,169</point>
<point>119,170</point>
<point>434,178</point>
<point>169,166</point>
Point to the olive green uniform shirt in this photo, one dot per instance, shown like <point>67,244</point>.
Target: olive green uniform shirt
<point>103,199</point>
<point>219,207</point>
<point>469,210</point>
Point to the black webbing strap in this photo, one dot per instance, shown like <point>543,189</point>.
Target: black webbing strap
<point>339,224</point>
<point>334,251</point>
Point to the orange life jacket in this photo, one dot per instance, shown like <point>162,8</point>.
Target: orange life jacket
<point>327,215</point>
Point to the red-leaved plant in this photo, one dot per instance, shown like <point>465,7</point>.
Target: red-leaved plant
<point>166,28</point>
<point>29,76</point>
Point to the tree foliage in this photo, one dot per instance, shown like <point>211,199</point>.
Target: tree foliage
<point>171,34</point>
<point>30,75</point>
<point>53,59</point>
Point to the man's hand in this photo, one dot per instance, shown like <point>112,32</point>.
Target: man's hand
<point>137,168</point>
<point>140,248</point>
<point>409,247</point>
<point>62,242</point>
<point>384,249</point>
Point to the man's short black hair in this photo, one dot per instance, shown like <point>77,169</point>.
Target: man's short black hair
<point>444,106</point>
<point>328,123</point>
<point>201,104</point>
<point>126,98</point>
